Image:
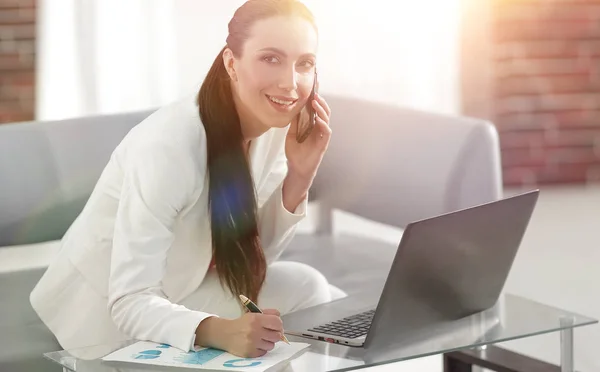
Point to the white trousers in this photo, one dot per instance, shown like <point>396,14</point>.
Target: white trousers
<point>288,286</point>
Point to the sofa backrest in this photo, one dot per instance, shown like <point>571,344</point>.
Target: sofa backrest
<point>48,170</point>
<point>395,165</point>
<point>387,163</point>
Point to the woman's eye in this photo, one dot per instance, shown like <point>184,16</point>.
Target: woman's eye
<point>270,59</point>
<point>307,63</point>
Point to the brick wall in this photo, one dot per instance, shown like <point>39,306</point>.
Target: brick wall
<point>546,91</point>
<point>17,60</point>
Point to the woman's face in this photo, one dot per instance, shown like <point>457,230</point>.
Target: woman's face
<point>274,75</point>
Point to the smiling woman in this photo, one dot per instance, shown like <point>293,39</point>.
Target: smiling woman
<point>173,232</point>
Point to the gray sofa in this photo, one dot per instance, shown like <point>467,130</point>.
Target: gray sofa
<point>386,164</point>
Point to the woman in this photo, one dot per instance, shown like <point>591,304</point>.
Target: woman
<point>173,231</point>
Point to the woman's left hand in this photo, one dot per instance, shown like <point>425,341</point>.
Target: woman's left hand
<point>304,158</point>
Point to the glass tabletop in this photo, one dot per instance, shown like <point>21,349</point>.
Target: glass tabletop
<point>511,318</point>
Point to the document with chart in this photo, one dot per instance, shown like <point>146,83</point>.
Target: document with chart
<point>207,359</point>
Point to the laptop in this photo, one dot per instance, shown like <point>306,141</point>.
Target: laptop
<point>446,268</point>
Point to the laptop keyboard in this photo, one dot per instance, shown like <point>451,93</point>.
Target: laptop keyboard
<point>351,327</point>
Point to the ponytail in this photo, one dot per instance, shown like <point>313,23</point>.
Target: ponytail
<point>236,248</point>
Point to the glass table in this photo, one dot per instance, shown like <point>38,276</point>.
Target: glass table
<point>511,318</point>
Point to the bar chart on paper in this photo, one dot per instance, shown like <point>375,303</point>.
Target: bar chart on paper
<point>151,353</point>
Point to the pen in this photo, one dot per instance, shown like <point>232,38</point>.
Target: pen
<point>251,306</point>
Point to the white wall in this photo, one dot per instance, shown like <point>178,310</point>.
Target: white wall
<point>201,33</point>
<point>392,51</point>
<point>104,56</point>
<point>109,56</point>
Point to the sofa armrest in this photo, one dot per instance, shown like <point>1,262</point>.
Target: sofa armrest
<point>395,165</point>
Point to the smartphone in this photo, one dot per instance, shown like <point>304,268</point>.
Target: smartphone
<point>305,128</point>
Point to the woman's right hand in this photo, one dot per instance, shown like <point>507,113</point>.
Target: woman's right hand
<point>249,336</point>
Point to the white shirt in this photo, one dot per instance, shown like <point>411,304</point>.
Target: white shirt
<point>143,241</point>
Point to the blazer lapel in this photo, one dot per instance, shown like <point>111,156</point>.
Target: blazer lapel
<point>262,155</point>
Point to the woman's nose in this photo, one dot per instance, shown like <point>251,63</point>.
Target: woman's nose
<point>289,80</point>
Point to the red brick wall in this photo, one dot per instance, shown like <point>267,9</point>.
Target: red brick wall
<point>17,60</point>
<point>546,95</point>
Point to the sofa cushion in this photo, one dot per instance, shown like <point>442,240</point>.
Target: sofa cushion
<point>352,263</point>
<point>28,256</point>
<point>23,336</point>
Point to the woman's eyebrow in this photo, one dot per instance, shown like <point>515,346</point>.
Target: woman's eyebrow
<point>281,52</point>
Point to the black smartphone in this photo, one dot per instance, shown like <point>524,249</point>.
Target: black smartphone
<point>306,127</point>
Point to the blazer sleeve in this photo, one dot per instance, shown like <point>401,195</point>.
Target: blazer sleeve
<point>276,225</point>
<point>158,181</point>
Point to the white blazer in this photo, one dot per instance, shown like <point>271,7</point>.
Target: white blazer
<point>143,241</point>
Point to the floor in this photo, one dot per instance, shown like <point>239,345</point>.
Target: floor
<point>558,264</point>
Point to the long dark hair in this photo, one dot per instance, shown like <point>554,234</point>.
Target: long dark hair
<point>236,246</point>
